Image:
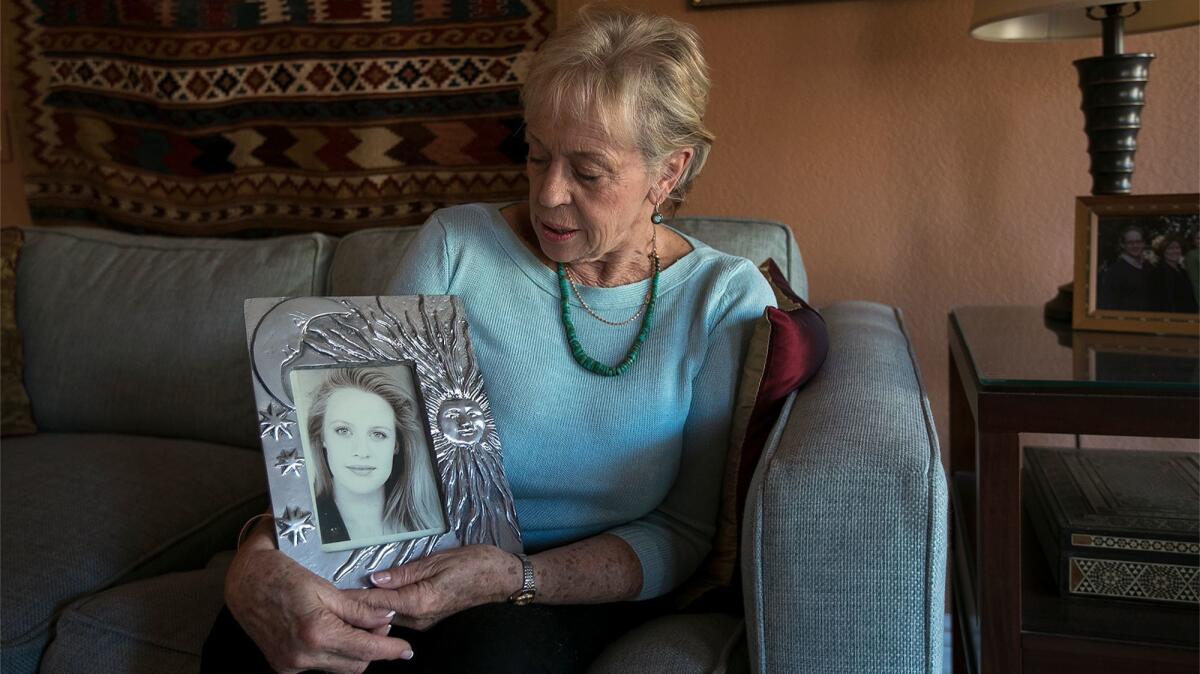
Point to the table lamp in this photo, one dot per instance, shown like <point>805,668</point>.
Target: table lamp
<point>1113,84</point>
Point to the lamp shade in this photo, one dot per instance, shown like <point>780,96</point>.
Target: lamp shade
<point>1044,20</point>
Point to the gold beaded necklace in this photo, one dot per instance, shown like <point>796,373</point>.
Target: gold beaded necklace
<point>655,263</point>
<point>587,362</point>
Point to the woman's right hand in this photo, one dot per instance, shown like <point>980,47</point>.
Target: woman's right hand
<point>301,621</point>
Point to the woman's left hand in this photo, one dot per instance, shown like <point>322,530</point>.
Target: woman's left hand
<point>425,591</point>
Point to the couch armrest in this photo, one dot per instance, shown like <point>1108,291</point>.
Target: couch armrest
<point>844,540</point>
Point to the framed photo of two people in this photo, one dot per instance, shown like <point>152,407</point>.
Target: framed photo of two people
<point>378,438</point>
<point>1137,263</point>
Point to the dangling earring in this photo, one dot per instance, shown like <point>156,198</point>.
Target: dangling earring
<point>657,218</point>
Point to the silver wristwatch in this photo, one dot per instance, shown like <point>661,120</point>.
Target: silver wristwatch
<point>528,590</point>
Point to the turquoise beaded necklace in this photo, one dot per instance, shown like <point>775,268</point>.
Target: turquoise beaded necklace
<point>581,356</point>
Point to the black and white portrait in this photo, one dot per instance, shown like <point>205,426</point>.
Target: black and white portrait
<point>371,470</point>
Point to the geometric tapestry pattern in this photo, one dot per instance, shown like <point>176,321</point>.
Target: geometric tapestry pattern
<point>1190,548</point>
<point>1134,580</point>
<point>260,115</point>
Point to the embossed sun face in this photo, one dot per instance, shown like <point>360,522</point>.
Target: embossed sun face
<point>360,439</point>
<point>461,421</point>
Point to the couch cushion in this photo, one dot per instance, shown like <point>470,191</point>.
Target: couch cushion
<point>144,334</point>
<point>366,259</point>
<point>697,643</point>
<point>151,626</point>
<point>80,512</point>
<point>755,240</point>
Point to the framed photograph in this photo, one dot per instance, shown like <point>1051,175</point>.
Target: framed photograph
<point>1136,264</point>
<point>377,435</point>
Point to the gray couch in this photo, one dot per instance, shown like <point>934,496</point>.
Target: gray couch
<point>118,516</point>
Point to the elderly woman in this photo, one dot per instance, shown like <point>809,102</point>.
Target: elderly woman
<point>611,346</point>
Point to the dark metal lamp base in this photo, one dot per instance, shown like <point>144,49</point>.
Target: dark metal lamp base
<point>1114,93</point>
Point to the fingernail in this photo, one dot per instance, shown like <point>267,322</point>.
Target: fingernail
<point>406,655</point>
<point>381,577</point>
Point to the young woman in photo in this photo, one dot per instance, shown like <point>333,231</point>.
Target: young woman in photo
<point>372,472</point>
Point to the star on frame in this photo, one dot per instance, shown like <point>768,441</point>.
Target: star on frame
<point>295,524</point>
<point>289,461</point>
<point>275,420</point>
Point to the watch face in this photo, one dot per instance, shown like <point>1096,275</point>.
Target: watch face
<point>524,597</point>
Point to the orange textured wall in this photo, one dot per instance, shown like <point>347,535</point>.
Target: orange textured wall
<point>917,166</point>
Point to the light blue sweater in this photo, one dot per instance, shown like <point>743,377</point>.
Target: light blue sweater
<point>640,455</point>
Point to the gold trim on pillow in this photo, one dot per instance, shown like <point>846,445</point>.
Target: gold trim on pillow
<point>718,567</point>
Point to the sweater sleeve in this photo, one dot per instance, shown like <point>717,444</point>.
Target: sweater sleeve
<point>424,269</point>
<point>672,540</point>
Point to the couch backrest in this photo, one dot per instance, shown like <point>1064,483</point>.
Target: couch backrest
<point>144,334</point>
<point>360,269</point>
<point>366,259</point>
<point>755,240</point>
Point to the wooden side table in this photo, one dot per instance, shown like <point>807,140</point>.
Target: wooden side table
<point>1011,373</point>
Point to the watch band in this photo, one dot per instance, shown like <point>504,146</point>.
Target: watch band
<point>528,589</point>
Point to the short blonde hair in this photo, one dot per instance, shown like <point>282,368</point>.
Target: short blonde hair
<point>646,71</point>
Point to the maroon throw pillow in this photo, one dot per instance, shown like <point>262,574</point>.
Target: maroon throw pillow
<point>788,347</point>
<point>797,345</point>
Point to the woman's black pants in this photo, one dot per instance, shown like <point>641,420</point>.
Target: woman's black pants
<point>499,638</point>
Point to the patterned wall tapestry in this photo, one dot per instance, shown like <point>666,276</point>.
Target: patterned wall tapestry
<point>206,117</point>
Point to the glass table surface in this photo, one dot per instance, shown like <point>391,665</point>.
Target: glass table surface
<point>1014,347</point>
